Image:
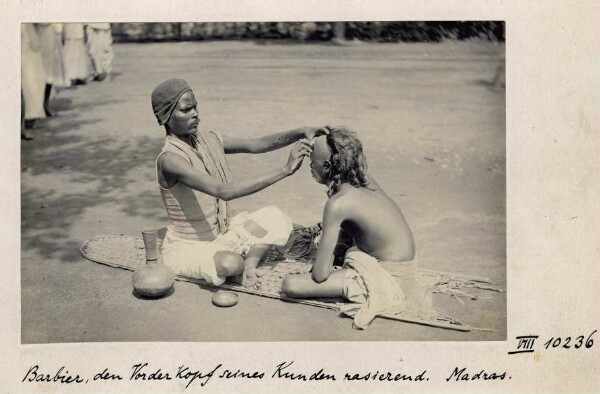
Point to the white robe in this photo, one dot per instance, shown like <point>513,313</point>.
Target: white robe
<point>100,46</point>
<point>77,62</point>
<point>33,79</point>
<point>52,56</point>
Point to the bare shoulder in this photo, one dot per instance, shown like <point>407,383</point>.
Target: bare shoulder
<point>333,204</point>
<point>169,162</point>
<point>170,167</point>
<point>340,204</point>
<point>350,196</point>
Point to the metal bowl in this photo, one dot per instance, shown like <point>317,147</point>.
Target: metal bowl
<point>225,299</point>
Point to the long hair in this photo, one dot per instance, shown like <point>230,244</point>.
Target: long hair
<point>348,164</point>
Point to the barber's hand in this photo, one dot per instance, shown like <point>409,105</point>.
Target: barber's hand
<point>299,151</point>
<point>312,132</point>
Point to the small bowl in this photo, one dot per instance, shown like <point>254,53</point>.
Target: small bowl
<point>225,299</point>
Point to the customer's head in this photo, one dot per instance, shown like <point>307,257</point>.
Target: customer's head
<point>175,107</point>
<point>337,158</point>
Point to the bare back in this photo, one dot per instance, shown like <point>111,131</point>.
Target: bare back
<point>375,223</point>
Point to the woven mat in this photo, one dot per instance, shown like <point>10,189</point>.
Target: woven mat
<point>128,253</point>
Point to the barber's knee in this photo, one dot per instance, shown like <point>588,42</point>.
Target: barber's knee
<point>229,263</point>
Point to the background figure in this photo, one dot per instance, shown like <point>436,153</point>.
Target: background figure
<point>99,40</point>
<point>339,32</point>
<point>64,82</point>
<point>499,81</point>
<point>24,133</point>
<point>33,79</point>
<point>76,60</point>
<point>50,47</point>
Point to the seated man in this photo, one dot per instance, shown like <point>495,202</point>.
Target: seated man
<point>360,210</point>
<point>202,241</point>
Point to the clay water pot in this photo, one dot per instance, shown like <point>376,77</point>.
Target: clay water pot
<point>153,279</point>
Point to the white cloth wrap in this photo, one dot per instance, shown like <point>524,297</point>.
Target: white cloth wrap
<point>371,289</point>
<point>196,258</point>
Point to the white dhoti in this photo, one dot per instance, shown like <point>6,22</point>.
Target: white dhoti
<point>33,77</point>
<point>51,49</point>
<point>370,288</point>
<point>378,287</point>
<point>100,48</point>
<point>76,60</point>
<point>196,258</point>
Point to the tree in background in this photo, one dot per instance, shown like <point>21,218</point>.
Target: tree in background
<point>338,32</point>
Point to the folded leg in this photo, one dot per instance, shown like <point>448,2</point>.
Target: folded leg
<point>301,286</point>
<point>255,254</point>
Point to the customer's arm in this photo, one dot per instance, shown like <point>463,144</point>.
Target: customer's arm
<point>333,217</point>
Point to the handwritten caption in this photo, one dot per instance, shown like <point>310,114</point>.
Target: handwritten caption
<point>283,371</point>
<point>286,370</point>
<point>526,343</point>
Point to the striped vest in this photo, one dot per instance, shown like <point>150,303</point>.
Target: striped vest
<point>194,215</point>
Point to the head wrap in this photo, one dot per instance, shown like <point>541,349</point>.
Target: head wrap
<point>166,96</point>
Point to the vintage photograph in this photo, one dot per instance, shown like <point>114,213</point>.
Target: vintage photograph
<point>263,181</point>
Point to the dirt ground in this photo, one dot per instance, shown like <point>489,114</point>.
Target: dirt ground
<point>434,136</point>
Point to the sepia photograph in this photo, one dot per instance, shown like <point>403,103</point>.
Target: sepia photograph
<point>263,181</point>
<point>300,196</point>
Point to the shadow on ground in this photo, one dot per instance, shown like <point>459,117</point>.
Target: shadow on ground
<point>92,172</point>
